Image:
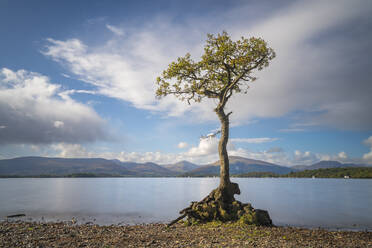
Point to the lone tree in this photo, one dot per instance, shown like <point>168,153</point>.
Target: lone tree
<point>225,68</point>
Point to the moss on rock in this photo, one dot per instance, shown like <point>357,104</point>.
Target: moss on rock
<point>216,208</point>
<point>202,212</point>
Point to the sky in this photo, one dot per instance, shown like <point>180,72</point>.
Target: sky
<point>77,79</point>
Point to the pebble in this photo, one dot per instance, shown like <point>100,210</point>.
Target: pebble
<point>63,234</point>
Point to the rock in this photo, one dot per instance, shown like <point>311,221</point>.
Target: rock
<point>263,217</point>
<point>220,205</point>
<point>256,217</point>
<point>16,215</point>
<point>211,210</point>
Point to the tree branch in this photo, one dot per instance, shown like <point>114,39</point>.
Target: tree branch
<point>249,69</point>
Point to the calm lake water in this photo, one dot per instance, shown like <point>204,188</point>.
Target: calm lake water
<point>326,203</point>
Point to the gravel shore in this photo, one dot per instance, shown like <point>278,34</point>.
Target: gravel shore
<point>67,234</point>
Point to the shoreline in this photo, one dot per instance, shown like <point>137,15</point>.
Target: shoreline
<point>69,234</point>
<point>94,220</point>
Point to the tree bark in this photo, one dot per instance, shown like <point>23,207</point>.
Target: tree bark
<point>222,150</point>
<point>226,190</point>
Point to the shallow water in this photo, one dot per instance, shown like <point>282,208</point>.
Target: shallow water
<point>326,203</point>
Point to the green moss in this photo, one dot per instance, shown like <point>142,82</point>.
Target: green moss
<point>225,216</point>
<point>214,224</point>
<point>249,218</point>
<point>191,222</point>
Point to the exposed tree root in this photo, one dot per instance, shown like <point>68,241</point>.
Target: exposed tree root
<point>220,205</point>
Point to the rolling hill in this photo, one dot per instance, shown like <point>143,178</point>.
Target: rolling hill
<point>36,166</point>
<point>240,165</point>
<point>147,169</point>
<point>181,167</point>
<point>40,166</point>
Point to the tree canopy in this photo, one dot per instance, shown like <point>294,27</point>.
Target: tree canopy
<point>225,68</point>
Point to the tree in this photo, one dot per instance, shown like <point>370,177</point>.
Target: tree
<point>225,68</point>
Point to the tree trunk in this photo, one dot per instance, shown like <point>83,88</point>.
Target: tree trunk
<point>222,150</point>
<point>220,204</point>
<point>226,189</point>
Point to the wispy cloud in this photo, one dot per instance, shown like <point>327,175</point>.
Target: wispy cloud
<point>182,145</point>
<point>65,75</point>
<point>314,72</point>
<point>112,74</point>
<point>115,30</point>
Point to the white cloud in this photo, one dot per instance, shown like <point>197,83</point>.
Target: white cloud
<point>35,148</point>
<point>79,151</point>
<point>182,145</point>
<point>368,141</point>
<point>59,124</point>
<point>115,30</point>
<point>278,157</point>
<point>206,147</point>
<point>306,158</point>
<point>65,75</point>
<point>253,140</point>
<point>313,73</point>
<point>122,69</point>
<point>156,157</point>
<point>33,112</point>
<point>204,153</point>
<point>342,155</point>
<point>368,156</point>
<point>71,151</point>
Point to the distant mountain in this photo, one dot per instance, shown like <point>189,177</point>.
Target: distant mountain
<point>35,166</point>
<point>29,166</point>
<point>147,169</point>
<point>326,164</point>
<point>240,165</point>
<point>181,167</point>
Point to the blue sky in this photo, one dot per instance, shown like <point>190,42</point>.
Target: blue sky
<point>77,79</point>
